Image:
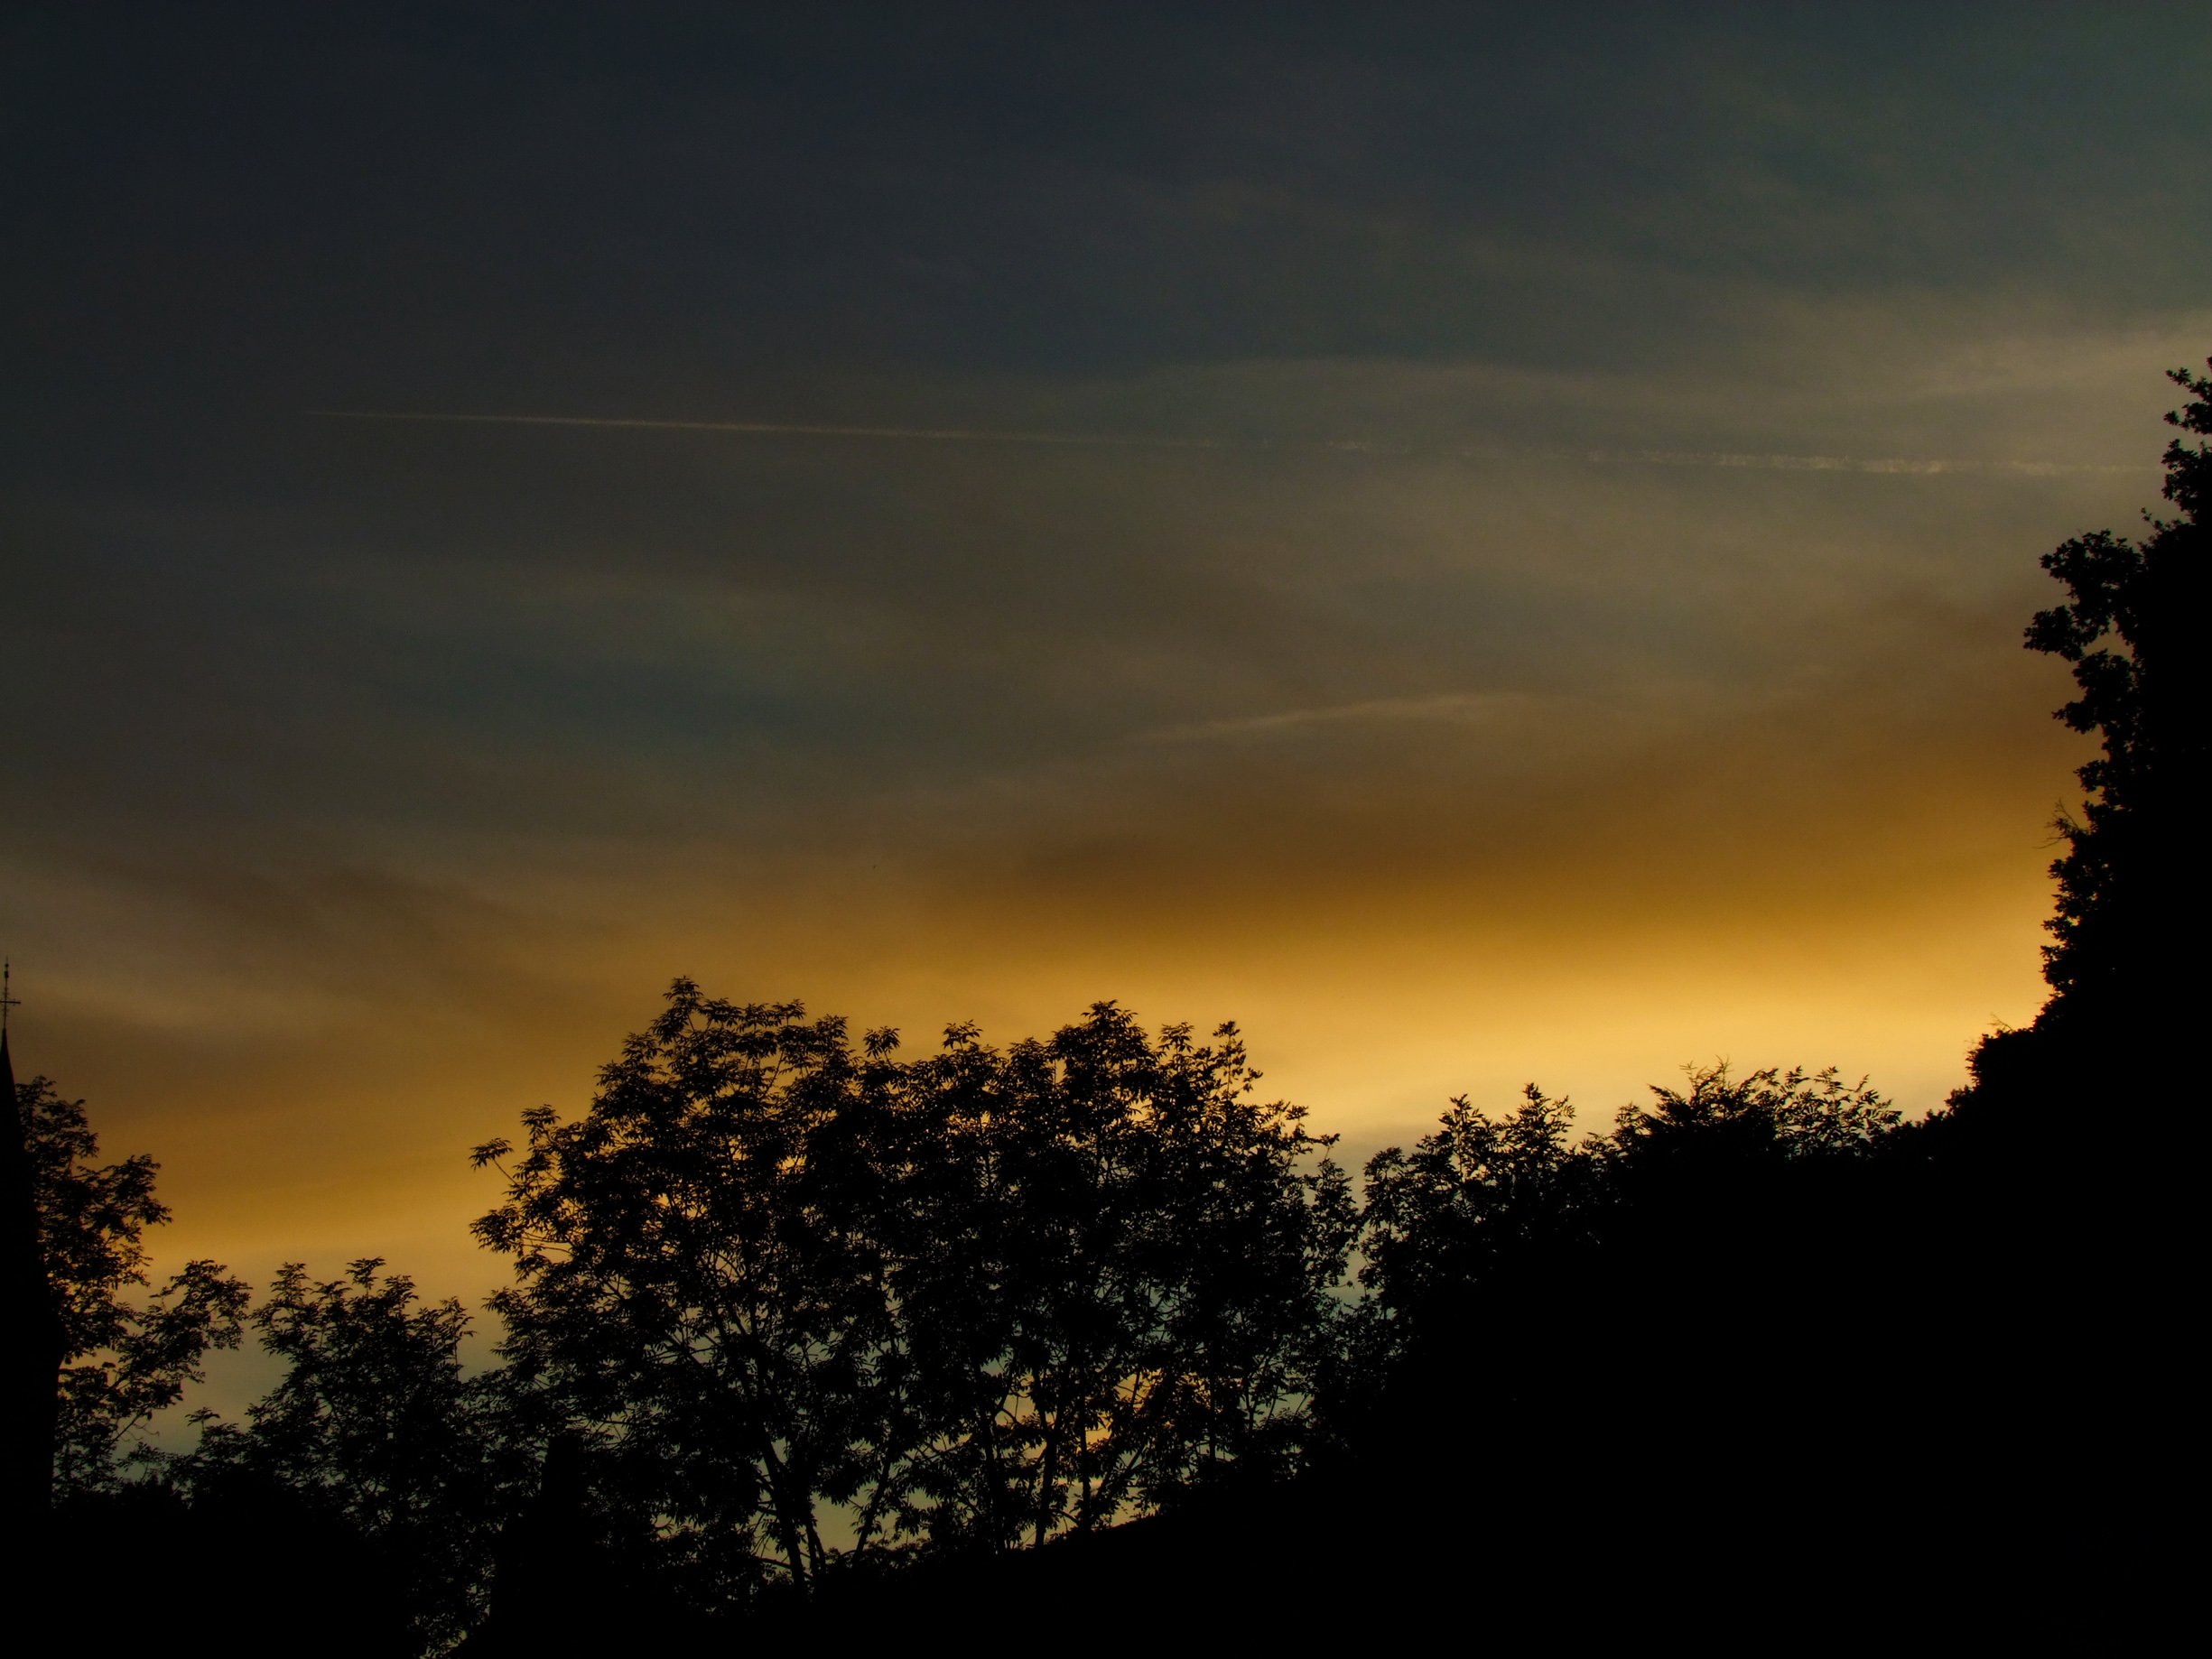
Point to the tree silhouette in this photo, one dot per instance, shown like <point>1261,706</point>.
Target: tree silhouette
<point>699,1287</point>
<point>1505,1232</point>
<point>1477,1198</point>
<point>1137,1295</point>
<point>122,1359</point>
<point>2134,630</point>
<point>2080,1349</point>
<point>375,1427</point>
<point>967,1302</point>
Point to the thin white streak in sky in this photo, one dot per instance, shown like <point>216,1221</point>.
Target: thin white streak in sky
<point>1721,458</point>
<point>780,429</point>
<point>1457,707</point>
<point>1841,463</point>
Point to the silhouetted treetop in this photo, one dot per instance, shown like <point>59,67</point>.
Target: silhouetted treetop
<point>2134,631</point>
<point>1482,1197</point>
<point>1766,1114</point>
<point>1473,1195</point>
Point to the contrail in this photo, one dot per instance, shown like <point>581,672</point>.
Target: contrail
<point>1843,463</point>
<point>785,429</point>
<point>1466,708</point>
<point>1909,466</point>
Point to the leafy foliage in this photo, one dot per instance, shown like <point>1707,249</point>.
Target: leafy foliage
<point>698,1284</point>
<point>2131,631</point>
<point>1509,1225</point>
<point>1473,1194</point>
<point>123,1359</point>
<point>374,1425</point>
<point>979,1297</point>
<point>1134,1275</point>
<point>1769,1115</point>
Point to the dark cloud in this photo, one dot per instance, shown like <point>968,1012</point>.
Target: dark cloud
<point>376,206</point>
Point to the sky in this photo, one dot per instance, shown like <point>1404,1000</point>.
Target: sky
<point>1486,544</point>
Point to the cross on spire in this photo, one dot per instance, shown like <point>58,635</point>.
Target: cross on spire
<point>6,1001</point>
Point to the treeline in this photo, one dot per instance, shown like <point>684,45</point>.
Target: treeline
<point>793,1306</point>
<point>803,1329</point>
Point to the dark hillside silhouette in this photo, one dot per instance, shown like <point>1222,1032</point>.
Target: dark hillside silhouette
<point>2103,1246</point>
<point>1758,1348</point>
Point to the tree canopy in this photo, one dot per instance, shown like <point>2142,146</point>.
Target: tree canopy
<point>124,1357</point>
<point>975,1299</point>
<point>2133,628</point>
<point>374,1429</point>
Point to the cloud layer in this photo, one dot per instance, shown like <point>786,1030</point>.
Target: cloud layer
<point>1479,555</point>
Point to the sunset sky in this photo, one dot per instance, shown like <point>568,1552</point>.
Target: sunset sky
<point>1486,544</point>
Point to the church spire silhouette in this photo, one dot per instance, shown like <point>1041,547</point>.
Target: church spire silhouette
<point>33,1328</point>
